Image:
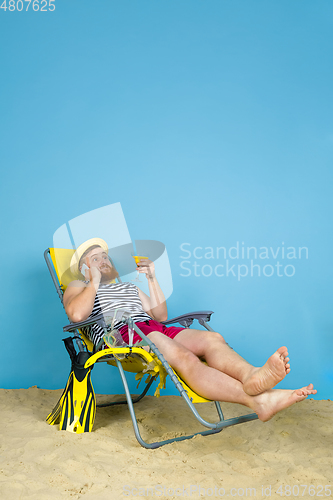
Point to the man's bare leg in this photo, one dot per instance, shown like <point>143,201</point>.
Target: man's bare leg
<point>218,386</point>
<point>212,347</point>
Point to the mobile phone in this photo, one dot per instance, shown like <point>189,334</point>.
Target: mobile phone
<point>83,269</point>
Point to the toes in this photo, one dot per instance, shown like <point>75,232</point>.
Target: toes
<point>283,351</point>
<point>283,354</point>
<point>303,391</point>
<point>311,389</point>
<point>306,391</point>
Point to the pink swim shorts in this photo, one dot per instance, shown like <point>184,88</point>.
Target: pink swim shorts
<point>150,326</point>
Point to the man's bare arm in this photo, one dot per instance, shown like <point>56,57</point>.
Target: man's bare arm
<point>155,305</point>
<point>79,297</point>
<point>159,312</point>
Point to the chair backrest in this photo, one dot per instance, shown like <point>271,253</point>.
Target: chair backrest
<point>58,263</point>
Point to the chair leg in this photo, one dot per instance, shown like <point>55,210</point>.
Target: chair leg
<point>156,444</point>
<point>214,427</point>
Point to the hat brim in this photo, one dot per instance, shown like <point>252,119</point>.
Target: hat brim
<point>74,264</point>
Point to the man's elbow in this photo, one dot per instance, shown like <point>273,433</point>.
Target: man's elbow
<point>163,317</point>
<point>76,316</point>
<point>157,317</point>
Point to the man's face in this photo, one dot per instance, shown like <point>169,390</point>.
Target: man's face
<point>99,258</point>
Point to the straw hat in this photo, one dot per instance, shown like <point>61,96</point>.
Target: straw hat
<point>74,265</point>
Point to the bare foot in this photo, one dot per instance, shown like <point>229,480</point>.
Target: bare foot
<point>271,402</point>
<point>266,377</point>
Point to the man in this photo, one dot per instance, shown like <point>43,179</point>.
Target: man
<point>226,377</point>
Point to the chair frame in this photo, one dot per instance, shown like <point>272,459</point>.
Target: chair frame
<point>107,355</point>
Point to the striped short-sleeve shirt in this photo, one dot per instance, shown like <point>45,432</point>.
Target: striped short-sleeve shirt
<point>114,296</point>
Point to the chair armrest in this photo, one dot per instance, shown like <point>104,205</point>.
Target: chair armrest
<point>102,319</point>
<point>74,326</point>
<point>187,319</point>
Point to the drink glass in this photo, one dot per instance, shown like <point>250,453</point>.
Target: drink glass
<point>137,259</point>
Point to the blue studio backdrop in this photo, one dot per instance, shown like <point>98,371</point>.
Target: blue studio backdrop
<point>211,124</point>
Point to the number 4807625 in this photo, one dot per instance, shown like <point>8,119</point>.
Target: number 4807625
<point>19,5</point>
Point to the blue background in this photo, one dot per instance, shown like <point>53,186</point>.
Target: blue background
<point>211,122</point>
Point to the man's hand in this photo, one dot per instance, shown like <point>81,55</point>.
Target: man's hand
<point>94,275</point>
<point>146,266</point>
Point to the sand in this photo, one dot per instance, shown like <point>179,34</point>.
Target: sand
<point>37,461</point>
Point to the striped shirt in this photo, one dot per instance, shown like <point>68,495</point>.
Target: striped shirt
<point>114,296</point>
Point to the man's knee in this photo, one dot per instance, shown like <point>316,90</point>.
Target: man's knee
<point>215,337</point>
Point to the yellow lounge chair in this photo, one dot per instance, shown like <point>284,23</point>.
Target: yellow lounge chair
<point>76,408</point>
